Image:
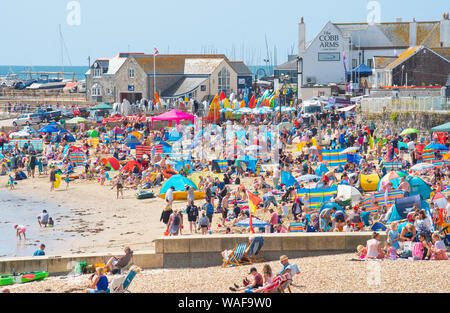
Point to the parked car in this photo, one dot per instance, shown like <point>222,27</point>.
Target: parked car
<point>81,112</point>
<point>26,119</point>
<point>66,114</point>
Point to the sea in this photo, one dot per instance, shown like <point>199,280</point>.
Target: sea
<point>80,71</point>
<point>16,208</point>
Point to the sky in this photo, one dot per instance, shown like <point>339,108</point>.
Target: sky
<point>238,28</point>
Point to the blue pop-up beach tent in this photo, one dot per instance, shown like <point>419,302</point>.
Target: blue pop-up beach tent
<point>289,180</point>
<point>177,181</point>
<point>419,187</point>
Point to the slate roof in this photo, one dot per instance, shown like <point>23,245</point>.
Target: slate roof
<point>240,68</point>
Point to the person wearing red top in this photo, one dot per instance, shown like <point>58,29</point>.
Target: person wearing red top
<point>273,220</point>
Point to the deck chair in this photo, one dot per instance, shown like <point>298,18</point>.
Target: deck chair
<point>121,284</point>
<point>234,259</point>
<point>253,252</point>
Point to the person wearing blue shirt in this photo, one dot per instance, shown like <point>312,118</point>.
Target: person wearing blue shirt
<point>209,210</point>
<point>40,252</point>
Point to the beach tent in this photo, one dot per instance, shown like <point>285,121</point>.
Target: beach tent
<point>177,181</point>
<point>441,128</point>
<point>48,129</point>
<point>439,200</point>
<point>377,226</point>
<point>369,182</point>
<point>255,222</point>
<point>321,169</point>
<point>346,192</point>
<point>173,115</point>
<point>289,180</point>
<point>130,165</point>
<point>112,163</point>
<point>419,187</point>
<point>403,206</point>
<point>131,142</point>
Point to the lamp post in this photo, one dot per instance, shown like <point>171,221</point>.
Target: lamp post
<point>284,79</point>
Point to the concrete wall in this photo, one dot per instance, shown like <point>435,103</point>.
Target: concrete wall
<point>200,251</point>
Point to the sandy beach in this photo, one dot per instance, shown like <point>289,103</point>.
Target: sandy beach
<point>330,273</point>
<point>92,220</point>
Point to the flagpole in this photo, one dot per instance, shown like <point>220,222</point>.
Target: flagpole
<point>154,73</point>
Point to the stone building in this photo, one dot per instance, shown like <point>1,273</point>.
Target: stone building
<point>135,76</point>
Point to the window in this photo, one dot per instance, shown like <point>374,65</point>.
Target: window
<point>98,72</point>
<point>131,73</point>
<point>370,63</point>
<point>224,81</point>
<point>96,90</point>
<point>354,63</point>
<point>321,93</point>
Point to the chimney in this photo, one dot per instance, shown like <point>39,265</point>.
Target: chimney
<point>445,31</point>
<point>301,37</point>
<point>413,33</point>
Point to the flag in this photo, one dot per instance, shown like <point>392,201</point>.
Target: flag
<point>156,51</point>
<point>253,201</point>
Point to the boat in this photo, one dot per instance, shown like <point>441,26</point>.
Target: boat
<point>22,278</point>
<point>182,195</point>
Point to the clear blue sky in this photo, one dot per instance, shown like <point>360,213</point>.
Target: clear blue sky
<point>29,29</point>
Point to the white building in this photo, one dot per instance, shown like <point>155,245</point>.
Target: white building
<point>341,47</point>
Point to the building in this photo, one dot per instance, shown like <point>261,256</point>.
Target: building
<point>245,75</point>
<point>416,66</point>
<point>340,47</point>
<point>135,76</point>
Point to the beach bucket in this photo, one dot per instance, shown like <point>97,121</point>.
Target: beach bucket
<point>166,233</point>
<point>99,265</point>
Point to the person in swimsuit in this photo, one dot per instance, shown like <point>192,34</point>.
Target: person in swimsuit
<point>20,229</point>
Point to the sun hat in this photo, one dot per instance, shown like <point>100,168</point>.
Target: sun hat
<point>283,257</point>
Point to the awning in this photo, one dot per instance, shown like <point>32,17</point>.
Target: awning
<point>346,109</point>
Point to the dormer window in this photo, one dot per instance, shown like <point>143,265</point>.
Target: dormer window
<point>97,70</point>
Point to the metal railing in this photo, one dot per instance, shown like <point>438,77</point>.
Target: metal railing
<point>405,104</point>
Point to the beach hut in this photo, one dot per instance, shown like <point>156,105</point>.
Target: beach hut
<point>173,115</point>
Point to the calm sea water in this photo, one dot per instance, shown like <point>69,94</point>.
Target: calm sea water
<point>19,209</point>
<point>80,71</point>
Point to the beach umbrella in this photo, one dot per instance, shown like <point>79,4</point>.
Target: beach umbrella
<point>421,166</point>
<point>286,125</point>
<point>113,163</point>
<point>253,148</point>
<point>349,150</point>
<point>409,131</point>
<point>117,131</point>
<point>256,222</point>
<point>308,178</point>
<point>77,120</point>
<point>389,177</point>
<point>435,146</point>
<point>48,129</point>
<point>93,133</point>
<point>244,111</point>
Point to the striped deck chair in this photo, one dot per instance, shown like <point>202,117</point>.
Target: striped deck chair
<point>254,250</point>
<point>234,259</point>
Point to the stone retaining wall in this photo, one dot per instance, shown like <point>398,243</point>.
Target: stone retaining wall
<point>200,251</point>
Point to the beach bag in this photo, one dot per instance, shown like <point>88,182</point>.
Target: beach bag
<point>417,251</point>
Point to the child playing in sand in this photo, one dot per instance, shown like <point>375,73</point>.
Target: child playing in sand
<point>20,229</point>
<point>51,223</point>
<point>11,182</point>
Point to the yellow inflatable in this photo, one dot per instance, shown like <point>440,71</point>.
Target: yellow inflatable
<point>369,182</point>
<point>57,182</point>
<point>182,195</point>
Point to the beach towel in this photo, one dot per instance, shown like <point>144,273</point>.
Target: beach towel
<point>297,227</point>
